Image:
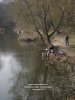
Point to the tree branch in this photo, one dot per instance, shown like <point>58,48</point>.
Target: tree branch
<point>60,20</point>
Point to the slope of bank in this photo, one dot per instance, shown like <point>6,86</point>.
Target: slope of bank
<point>59,41</point>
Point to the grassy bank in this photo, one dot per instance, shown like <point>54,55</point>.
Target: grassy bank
<point>72,41</point>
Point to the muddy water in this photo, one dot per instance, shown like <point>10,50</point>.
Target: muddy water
<point>17,65</point>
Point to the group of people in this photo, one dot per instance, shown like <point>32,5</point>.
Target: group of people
<point>49,50</point>
<point>54,55</point>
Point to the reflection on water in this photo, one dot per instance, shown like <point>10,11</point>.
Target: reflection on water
<point>17,66</point>
<point>7,62</point>
<point>22,65</point>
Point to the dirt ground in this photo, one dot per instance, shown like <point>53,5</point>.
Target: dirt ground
<point>59,41</point>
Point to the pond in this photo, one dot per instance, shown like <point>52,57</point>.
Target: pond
<point>24,75</point>
<point>17,66</point>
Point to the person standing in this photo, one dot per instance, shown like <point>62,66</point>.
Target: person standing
<point>67,40</point>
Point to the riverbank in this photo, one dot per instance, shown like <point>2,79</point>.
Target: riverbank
<point>59,40</point>
<point>27,36</point>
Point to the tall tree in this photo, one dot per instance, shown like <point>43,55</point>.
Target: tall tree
<point>42,15</point>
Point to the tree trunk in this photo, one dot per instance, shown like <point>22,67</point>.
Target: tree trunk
<point>41,37</point>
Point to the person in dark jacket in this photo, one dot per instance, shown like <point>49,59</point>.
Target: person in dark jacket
<point>67,40</point>
<point>51,48</point>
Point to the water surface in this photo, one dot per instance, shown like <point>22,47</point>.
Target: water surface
<point>17,67</point>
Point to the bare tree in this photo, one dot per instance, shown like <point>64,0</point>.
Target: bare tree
<point>40,15</point>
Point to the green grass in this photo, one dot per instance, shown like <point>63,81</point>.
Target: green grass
<point>72,41</point>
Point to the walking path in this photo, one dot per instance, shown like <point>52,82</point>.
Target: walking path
<point>59,41</point>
